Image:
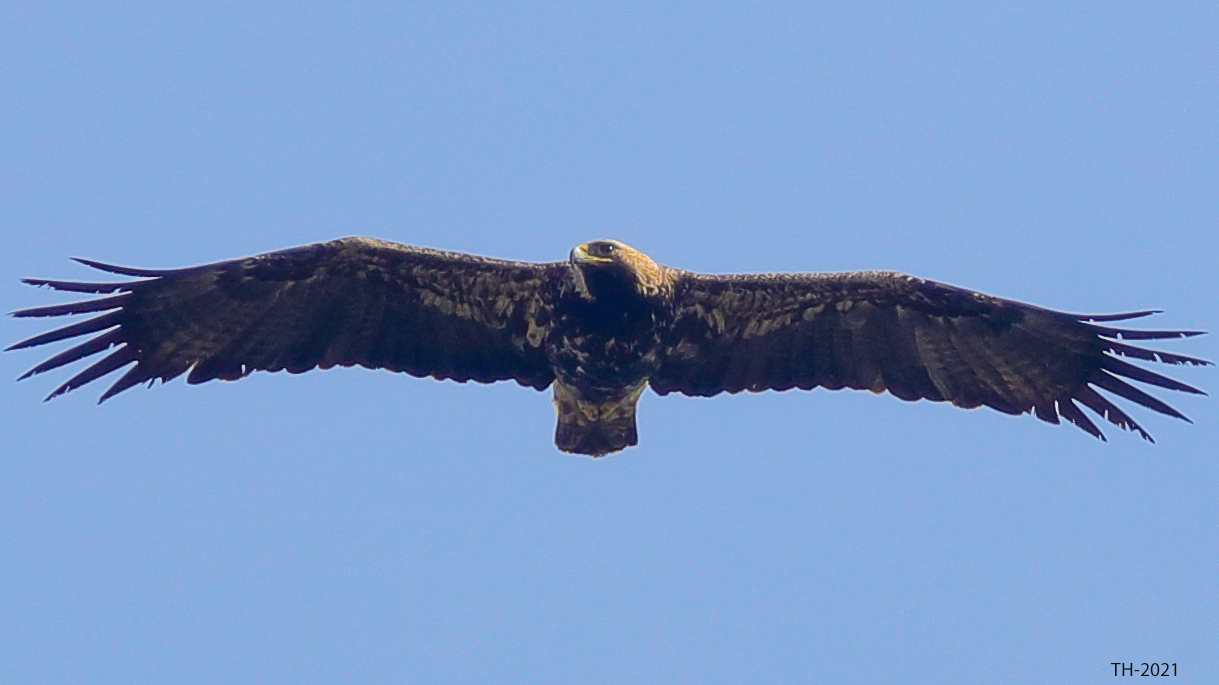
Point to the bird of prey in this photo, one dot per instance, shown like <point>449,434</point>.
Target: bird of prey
<point>601,327</point>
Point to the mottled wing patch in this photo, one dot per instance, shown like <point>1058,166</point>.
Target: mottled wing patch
<point>354,301</point>
<point>917,339</point>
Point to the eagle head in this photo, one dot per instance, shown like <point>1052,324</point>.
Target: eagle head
<point>608,265</point>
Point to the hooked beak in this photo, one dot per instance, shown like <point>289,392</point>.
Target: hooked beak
<point>580,255</point>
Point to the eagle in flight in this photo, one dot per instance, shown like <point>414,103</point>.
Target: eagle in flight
<point>601,327</point>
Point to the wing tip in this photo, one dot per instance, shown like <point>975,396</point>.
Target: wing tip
<point>81,287</point>
<point>120,270</point>
<point>1120,316</point>
<point>1125,334</point>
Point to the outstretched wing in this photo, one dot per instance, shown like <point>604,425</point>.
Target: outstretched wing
<point>353,301</point>
<point>917,339</point>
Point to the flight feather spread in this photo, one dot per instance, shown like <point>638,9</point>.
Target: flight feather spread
<point>600,328</point>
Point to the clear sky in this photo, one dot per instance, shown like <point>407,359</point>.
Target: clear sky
<point>357,526</point>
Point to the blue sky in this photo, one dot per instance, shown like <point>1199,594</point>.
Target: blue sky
<point>352,526</point>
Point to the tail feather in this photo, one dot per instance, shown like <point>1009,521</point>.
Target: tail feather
<point>594,428</point>
<point>596,439</point>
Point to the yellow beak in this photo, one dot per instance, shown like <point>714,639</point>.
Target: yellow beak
<point>580,254</point>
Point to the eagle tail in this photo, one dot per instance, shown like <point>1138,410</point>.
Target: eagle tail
<point>595,428</point>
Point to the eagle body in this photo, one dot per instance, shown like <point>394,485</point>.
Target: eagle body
<point>608,337</point>
<point>602,327</point>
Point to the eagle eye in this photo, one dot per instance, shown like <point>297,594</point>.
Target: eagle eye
<point>605,249</point>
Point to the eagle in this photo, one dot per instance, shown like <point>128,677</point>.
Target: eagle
<point>600,328</point>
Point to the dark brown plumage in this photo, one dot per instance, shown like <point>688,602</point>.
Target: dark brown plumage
<point>602,326</point>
